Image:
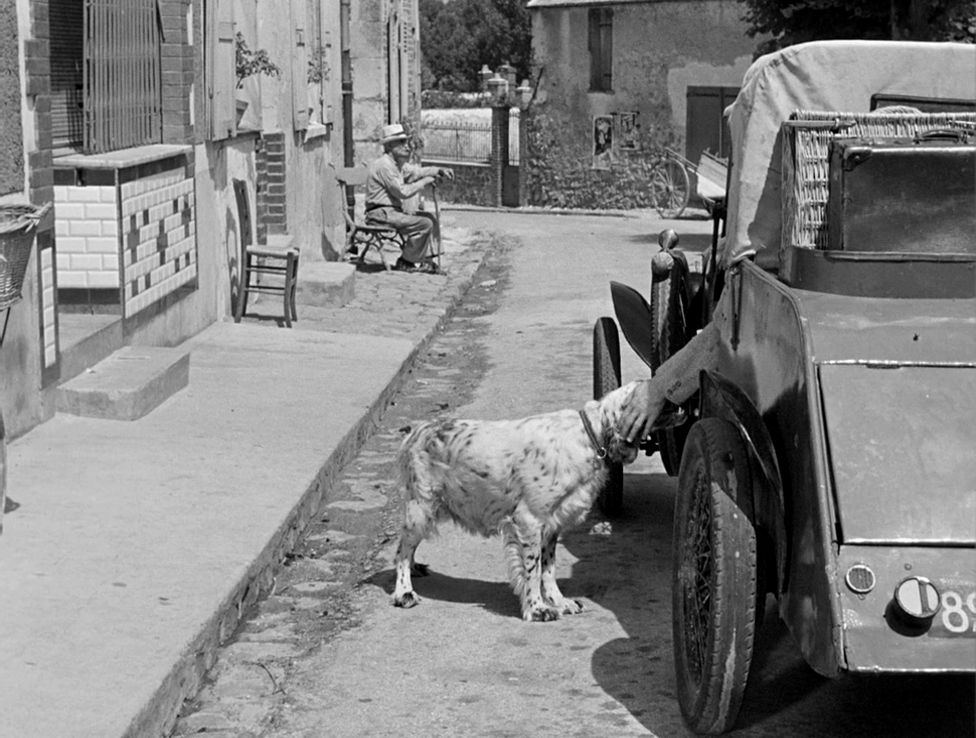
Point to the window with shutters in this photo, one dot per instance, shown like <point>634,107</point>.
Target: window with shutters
<point>233,103</point>
<point>220,66</point>
<point>319,73</point>
<point>105,74</point>
<point>601,49</point>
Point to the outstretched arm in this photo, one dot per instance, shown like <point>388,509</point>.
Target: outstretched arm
<point>676,380</point>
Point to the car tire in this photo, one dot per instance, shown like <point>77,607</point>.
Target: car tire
<point>606,377</point>
<point>714,578</point>
<point>670,331</point>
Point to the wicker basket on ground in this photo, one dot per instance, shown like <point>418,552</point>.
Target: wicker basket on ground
<point>806,159</point>
<point>17,226</point>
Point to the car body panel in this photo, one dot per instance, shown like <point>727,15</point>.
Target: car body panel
<point>904,469</point>
<point>766,351</point>
<point>914,331</point>
<point>875,640</point>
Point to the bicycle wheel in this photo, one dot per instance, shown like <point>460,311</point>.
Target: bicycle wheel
<point>670,188</point>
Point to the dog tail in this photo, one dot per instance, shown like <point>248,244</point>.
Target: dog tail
<point>419,456</point>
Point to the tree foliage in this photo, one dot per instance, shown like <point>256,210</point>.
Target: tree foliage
<point>458,36</point>
<point>790,22</point>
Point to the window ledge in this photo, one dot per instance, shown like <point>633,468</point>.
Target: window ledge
<point>123,158</point>
<point>317,130</point>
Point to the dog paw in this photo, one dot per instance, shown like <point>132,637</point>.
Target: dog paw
<point>541,615</point>
<point>420,570</point>
<point>407,599</point>
<point>571,607</point>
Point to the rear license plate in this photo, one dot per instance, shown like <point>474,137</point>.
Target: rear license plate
<point>956,617</point>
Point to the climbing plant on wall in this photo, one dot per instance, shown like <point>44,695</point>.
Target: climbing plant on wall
<point>559,165</point>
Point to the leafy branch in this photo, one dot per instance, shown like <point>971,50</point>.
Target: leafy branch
<point>250,62</point>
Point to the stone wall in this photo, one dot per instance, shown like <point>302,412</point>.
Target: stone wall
<point>473,184</point>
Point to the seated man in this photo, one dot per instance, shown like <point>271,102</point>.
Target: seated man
<point>393,179</point>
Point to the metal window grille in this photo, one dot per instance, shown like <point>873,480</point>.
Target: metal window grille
<point>122,77</point>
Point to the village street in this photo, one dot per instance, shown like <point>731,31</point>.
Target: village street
<point>328,656</point>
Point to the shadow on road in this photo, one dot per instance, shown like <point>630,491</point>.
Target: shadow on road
<point>495,597</point>
<point>628,572</point>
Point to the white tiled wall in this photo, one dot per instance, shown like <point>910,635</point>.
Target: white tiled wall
<point>87,233</point>
<point>139,237</point>
<point>48,324</point>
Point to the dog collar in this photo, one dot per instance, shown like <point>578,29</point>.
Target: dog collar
<point>601,451</point>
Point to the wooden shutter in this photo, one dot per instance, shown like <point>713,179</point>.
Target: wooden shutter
<point>299,64</point>
<point>606,39</point>
<point>600,46</point>
<point>327,86</point>
<point>221,65</point>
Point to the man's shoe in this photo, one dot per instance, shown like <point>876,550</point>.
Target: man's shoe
<point>425,267</point>
<point>402,265</point>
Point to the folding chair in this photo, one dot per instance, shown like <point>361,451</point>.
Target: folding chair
<point>278,262</point>
<point>359,235</point>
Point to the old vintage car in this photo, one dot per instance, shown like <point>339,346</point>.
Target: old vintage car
<point>827,456</point>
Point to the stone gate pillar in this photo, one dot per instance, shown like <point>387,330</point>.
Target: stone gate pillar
<point>499,151</point>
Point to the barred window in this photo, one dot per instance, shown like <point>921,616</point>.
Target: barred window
<point>105,74</point>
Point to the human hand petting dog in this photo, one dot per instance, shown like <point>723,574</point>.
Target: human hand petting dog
<point>642,409</point>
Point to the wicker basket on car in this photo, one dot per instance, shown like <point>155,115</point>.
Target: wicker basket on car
<point>806,159</point>
<point>17,226</point>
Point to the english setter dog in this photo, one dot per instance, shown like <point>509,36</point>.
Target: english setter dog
<point>529,479</point>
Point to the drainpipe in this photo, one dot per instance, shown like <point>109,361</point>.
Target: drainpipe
<point>347,140</point>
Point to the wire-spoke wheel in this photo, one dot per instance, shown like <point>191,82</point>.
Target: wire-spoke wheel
<point>606,378</point>
<point>670,188</point>
<point>714,578</point>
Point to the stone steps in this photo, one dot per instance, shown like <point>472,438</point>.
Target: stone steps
<point>128,384</point>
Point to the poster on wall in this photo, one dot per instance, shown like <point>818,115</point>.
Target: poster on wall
<point>602,141</point>
<point>628,132</point>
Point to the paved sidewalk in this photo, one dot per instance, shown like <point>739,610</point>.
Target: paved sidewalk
<point>136,545</point>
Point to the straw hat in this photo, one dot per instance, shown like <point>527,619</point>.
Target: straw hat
<point>392,132</point>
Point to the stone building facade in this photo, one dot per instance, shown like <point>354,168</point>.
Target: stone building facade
<point>615,81</point>
<point>143,242</point>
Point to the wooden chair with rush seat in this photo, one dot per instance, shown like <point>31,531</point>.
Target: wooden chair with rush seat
<point>360,236</point>
<point>259,261</point>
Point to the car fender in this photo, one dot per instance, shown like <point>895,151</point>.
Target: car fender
<point>722,398</point>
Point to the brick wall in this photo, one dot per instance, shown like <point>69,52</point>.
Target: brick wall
<point>272,213</point>
<point>177,71</point>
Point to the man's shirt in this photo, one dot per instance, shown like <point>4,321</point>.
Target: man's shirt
<point>386,184</point>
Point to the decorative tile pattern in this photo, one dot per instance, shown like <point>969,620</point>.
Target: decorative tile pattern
<point>158,236</point>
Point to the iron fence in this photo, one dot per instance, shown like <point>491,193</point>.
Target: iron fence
<point>467,142</point>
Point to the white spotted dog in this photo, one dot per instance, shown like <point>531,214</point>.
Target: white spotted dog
<point>529,479</point>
